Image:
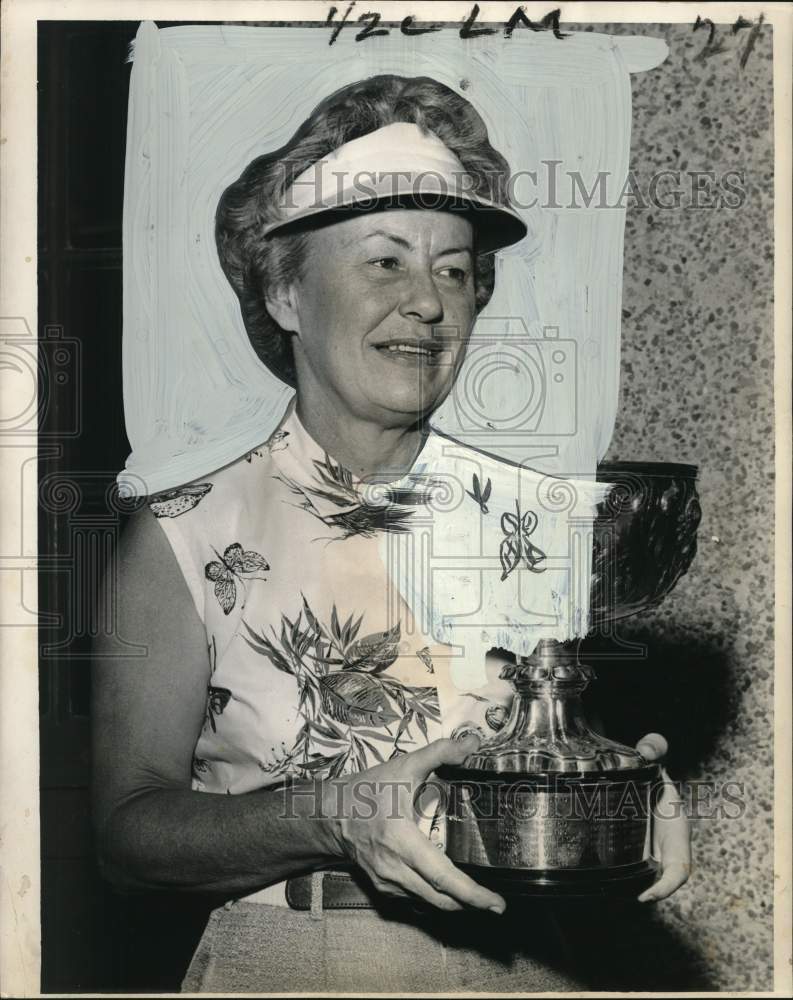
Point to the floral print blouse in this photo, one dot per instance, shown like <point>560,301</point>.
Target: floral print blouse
<point>320,642</point>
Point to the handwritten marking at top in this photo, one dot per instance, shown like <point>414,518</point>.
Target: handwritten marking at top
<point>371,21</point>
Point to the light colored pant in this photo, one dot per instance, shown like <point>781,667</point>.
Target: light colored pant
<point>254,947</point>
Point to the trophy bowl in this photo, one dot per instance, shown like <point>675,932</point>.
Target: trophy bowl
<point>547,806</point>
<point>645,537</point>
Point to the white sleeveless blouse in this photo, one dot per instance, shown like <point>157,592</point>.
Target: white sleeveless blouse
<point>348,624</point>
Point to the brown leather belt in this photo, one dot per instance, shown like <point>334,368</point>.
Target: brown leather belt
<point>341,890</point>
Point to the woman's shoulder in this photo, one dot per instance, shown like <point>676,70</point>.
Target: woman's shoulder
<point>146,564</point>
<point>214,492</point>
<point>195,517</point>
<point>178,527</point>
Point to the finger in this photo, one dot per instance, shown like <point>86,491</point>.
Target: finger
<point>411,885</point>
<point>653,746</point>
<point>669,807</point>
<point>671,826</point>
<point>443,877</point>
<point>674,874</point>
<point>428,758</point>
<point>389,888</point>
<point>673,841</point>
<point>404,885</point>
<point>399,880</point>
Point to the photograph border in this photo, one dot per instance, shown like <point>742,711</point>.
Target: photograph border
<point>20,892</point>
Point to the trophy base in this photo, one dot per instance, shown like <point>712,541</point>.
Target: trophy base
<point>624,881</point>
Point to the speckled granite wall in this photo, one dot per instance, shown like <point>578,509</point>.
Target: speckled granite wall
<point>697,382</point>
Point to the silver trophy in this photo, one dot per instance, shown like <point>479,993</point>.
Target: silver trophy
<point>547,806</point>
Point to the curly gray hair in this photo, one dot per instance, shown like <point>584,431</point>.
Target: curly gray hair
<point>255,264</point>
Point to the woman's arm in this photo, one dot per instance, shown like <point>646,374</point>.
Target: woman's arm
<point>147,712</point>
<point>154,831</point>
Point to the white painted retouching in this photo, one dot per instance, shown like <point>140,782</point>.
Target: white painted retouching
<point>539,385</point>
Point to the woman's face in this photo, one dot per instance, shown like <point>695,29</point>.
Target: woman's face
<point>382,313</point>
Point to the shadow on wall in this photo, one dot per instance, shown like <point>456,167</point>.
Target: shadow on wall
<point>625,947</point>
<point>683,689</point>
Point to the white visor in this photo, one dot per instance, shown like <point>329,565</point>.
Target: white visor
<point>398,165</point>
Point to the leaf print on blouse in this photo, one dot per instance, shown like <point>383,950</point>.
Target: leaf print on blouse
<point>236,564</point>
<point>426,659</point>
<point>481,496</point>
<point>173,503</point>
<point>276,442</point>
<point>354,714</point>
<point>516,545</point>
<point>333,485</point>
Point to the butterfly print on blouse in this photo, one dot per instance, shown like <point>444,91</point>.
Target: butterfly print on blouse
<point>217,697</point>
<point>354,714</point>
<point>236,565</point>
<point>217,700</point>
<point>516,545</point>
<point>173,503</point>
<point>333,484</point>
<point>481,496</point>
<point>200,768</point>
<point>276,442</point>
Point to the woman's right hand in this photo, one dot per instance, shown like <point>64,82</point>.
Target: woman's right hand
<point>371,815</point>
<point>153,831</point>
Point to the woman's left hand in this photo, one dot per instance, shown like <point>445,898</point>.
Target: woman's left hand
<point>671,829</point>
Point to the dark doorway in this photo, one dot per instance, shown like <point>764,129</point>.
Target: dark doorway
<point>92,939</point>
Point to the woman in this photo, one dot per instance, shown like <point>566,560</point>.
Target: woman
<point>285,673</point>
